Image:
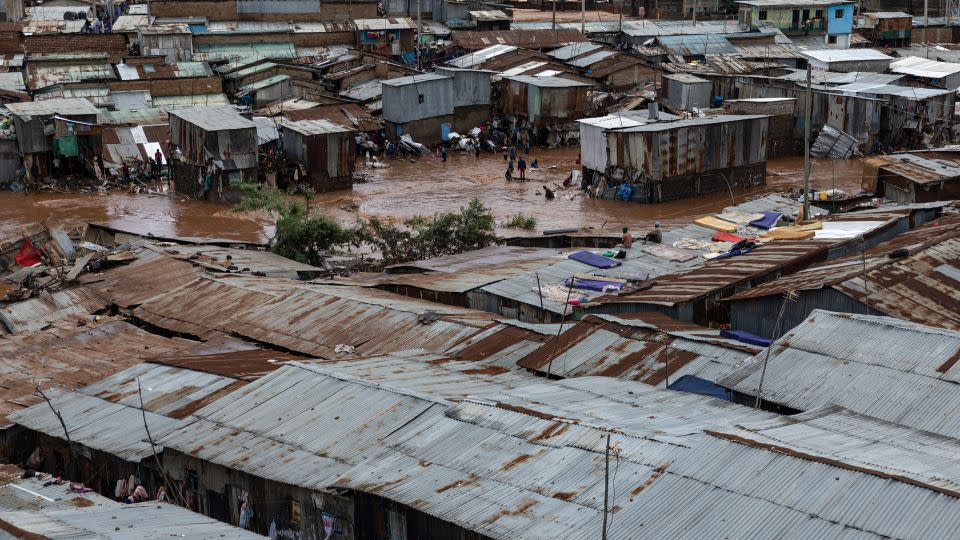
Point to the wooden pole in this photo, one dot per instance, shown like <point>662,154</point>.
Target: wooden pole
<point>606,485</point>
<point>806,149</point>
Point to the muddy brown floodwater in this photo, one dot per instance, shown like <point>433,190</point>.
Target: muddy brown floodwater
<point>406,189</point>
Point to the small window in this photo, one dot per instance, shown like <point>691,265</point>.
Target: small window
<point>419,98</point>
<point>832,40</point>
<point>762,15</point>
<point>818,14</point>
<point>838,14</point>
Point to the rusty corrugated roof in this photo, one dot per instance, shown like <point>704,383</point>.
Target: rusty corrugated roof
<point>922,287</point>
<point>349,115</point>
<point>247,365</point>
<point>650,348</point>
<point>534,39</point>
<point>724,273</point>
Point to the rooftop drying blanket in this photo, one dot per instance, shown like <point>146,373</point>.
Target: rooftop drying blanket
<point>726,237</point>
<point>597,261</point>
<point>768,221</point>
<point>711,222</point>
<point>596,283</point>
<point>746,337</point>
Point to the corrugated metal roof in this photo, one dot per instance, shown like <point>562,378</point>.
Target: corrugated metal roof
<point>470,270</point>
<point>70,355</point>
<point>490,15</point>
<point>638,264</point>
<point>37,508</point>
<point>313,319</point>
<point>364,92</point>
<point>50,107</point>
<point>867,364</point>
<point>505,344</point>
<point>180,102</point>
<point>920,287</point>
<point>723,274</point>
<point>226,259</point>
<point>531,39</point>
<point>308,424</point>
<point>696,45</point>
<point>46,308</point>
<point>634,347</point>
<point>846,55</point>
<point>130,23</point>
<point>475,58</point>
<point>392,23</point>
<point>414,79</point>
<point>573,50</point>
<point>245,53</point>
<point>213,118</point>
<point>315,127</point>
<point>590,59</point>
<point>262,83</point>
<point>833,434</point>
<point>922,67</point>
<point>546,82</point>
<point>348,115</point>
<point>792,3</point>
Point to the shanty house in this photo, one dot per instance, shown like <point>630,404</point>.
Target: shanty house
<point>387,36</point>
<point>913,178</point>
<point>546,103</point>
<point>937,74</point>
<point>832,19</point>
<point>61,126</point>
<point>173,41</point>
<point>886,28</point>
<point>667,160</point>
<point>325,150</point>
<point>471,97</point>
<point>848,60</point>
<point>214,150</point>
<point>421,106</point>
<point>782,112</point>
<point>684,91</point>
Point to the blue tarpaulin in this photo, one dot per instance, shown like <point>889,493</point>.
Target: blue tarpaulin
<point>746,337</point>
<point>597,261</point>
<point>703,387</point>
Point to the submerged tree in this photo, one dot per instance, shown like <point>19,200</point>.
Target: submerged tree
<point>304,237</point>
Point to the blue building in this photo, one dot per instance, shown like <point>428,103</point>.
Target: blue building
<point>833,19</point>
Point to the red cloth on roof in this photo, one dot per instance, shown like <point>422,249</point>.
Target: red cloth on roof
<point>28,255</point>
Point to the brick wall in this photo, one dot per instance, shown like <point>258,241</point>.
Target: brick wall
<point>113,44</point>
<point>323,39</point>
<point>226,10</point>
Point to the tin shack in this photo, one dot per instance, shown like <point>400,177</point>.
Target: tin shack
<point>666,160</point>
<point>61,127</point>
<point>214,151</point>
<point>847,60</point>
<point>552,105</point>
<point>387,36</point>
<point>685,91</point>
<point>913,178</point>
<point>886,28</point>
<point>471,97</point>
<point>325,150</point>
<point>421,106</point>
<point>172,41</point>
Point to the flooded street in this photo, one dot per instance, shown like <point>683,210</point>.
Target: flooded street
<point>161,215</point>
<point>406,189</point>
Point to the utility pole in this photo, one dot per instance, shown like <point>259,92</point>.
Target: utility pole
<point>806,149</point>
<point>554,14</point>
<point>419,34</point>
<point>926,27</point>
<point>606,485</point>
<point>695,12</point>
<point>583,17</point>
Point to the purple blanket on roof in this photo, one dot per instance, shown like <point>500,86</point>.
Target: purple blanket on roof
<point>598,284</point>
<point>594,260</point>
<point>768,220</point>
<point>746,337</point>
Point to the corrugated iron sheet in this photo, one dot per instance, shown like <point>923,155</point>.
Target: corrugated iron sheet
<point>865,363</point>
<point>312,319</point>
<point>37,508</point>
<point>920,287</point>
<point>70,356</point>
<point>724,274</point>
<point>531,39</point>
<point>636,349</point>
